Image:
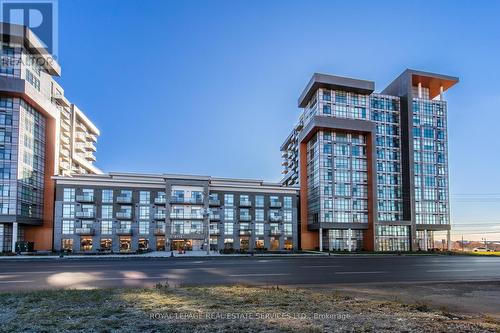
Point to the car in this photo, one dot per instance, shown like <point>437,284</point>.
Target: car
<point>481,249</point>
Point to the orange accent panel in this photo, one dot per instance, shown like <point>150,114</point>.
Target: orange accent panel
<point>42,235</point>
<point>309,240</point>
<point>434,84</point>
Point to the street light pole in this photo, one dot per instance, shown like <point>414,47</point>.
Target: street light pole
<point>206,217</point>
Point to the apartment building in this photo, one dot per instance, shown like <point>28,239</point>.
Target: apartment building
<point>42,134</point>
<point>121,212</point>
<point>372,167</point>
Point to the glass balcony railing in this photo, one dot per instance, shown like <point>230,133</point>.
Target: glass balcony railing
<point>182,200</point>
<point>123,199</point>
<point>84,231</point>
<point>245,203</point>
<point>275,204</point>
<point>160,216</point>
<point>124,215</point>
<point>124,231</point>
<point>191,216</point>
<point>214,202</point>
<point>160,200</point>
<point>85,215</point>
<point>85,198</point>
<point>245,218</point>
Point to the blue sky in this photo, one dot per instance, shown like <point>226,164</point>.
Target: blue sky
<point>211,87</point>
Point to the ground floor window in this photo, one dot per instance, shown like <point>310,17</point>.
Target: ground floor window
<point>143,244</point>
<point>288,244</point>
<point>182,244</point>
<point>125,244</point>
<point>274,243</point>
<point>106,244</point>
<point>160,243</point>
<point>67,244</point>
<point>259,243</point>
<point>244,243</point>
<point>86,243</point>
<point>214,244</point>
<point>343,240</point>
<point>393,238</point>
<point>228,243</point>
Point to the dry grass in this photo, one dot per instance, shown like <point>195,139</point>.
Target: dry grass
<point>219,309</point>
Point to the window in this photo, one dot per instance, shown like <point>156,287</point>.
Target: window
<point>259,229</point>
<point>259,215</point>
<point>144,197</point>
<point>68,211</point>
<point>259,201</point>
<point>107,212</point>
<point>69,195</point>
<point>68,227</point>
<point>34,81</point>
<point>228,200</point>
<point>106,244</point>
<point>88,193</point>
<point>144,212</point>
<point>67,244</point>
<point>106,227</point>
<point>287,202</point>
<point>143,227</point>
<point>228,214</point>
<point>287,229</point>
<point>4,190</point>
<point>228,229</point>
<point>107,196</point>
<point>287,216</point>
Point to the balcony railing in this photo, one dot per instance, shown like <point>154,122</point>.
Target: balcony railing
<point>275,218</point>
<point>214,202</point>
<point>214,232</point>
<point>84,231</point>
<point>274,232</point>
<point>160,200</point>
<point>85,198</point>
<point>159,232</point>
<point>124,215</point>
<point>214,217</point>
<point>180,200</point>
<point>160,216</point>
<point>245,218</point>
<point>124,231</point>
<point>245,203</point>
<point>275,204</point>
<point>186,216</point>
<point>123,199</point>
<point>245,232</point>
<point>84,215</point>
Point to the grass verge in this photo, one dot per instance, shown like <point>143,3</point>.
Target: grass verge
<point>222,308</point>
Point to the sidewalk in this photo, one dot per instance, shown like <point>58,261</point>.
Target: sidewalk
<point>160,254</point>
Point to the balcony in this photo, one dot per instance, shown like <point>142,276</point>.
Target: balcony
<point>124,231</point>
<point>245,218</point>
<point>90,146</point>
<point>245,203</point>
<point>159,232</point>
<point>124,215</point>
<point>80,147</point>
<point>275,204</point>
<point>80,136</point>
<point>90,156</point>
<point>274,232</point>
<point>275,218</point>
<point>188,216</point>
<point>84,215</point>
<point>160,200</point>
<point>245,232</point>
<point>84,231</point>
<point>214,217</point>
<point>214,232</point>
<point>180,200</point>
<point>160,216</point>
<point>214,202</point>
<point>123,199</point>
<point>85,198</point>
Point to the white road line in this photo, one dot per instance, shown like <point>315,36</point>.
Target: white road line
<point>263,274</point>
<point>18,281</point>
<point>370,272</point>
<point>449,270</point>
<point>320,266</point>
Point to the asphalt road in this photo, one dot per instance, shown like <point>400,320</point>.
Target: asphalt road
<point>138,272</point>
